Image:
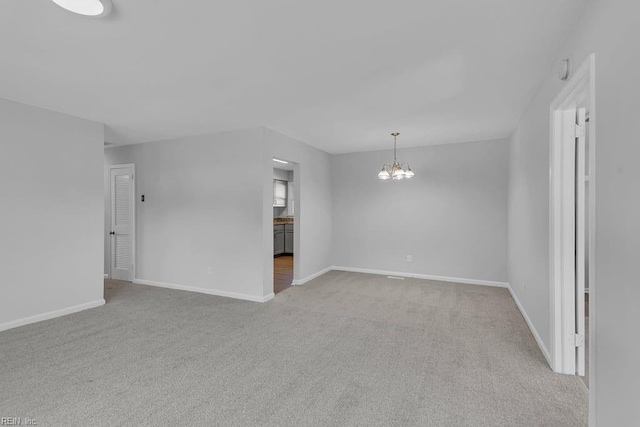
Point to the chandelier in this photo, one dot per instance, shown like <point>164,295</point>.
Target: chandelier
<point>396,170</point>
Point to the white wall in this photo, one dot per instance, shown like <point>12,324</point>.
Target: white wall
<point>51,212</point>
<point>313,212</point>
<point>209,202</point>
<point>451,217</point>
<point>610,30</point>
<point>280,174</point>
<point>203,208</point>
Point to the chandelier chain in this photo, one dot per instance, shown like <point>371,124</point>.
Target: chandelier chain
<point>395,142</point>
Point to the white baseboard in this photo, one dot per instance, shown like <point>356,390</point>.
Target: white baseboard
<point>51,314</point>
<point>106,276</point>
<point>543,348</point>
<point>423,276</point>
<point>311,277</point>
<point>268,297</point>
<point>207,291</point>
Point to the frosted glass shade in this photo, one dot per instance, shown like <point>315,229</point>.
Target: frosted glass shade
<point>383,174</point>
<point>398,174</point>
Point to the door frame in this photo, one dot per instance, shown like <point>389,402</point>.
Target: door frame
<point>296,218</point>
<point>133,225</point>
<point>560,234</point>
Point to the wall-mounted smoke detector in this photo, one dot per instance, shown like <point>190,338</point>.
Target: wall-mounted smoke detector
<point>94,8</point>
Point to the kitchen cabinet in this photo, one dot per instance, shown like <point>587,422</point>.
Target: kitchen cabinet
<point>288,238</point>
<point>278,239</point>
<point>283,239</point>
<point>279,193</point>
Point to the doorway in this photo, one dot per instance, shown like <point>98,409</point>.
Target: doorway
<point>572,226</point>
<point>284,218</point>
<point>122,222</point>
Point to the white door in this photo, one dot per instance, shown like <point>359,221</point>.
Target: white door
<point>573,241</point>
<point>568,239</point>
<point>581,269</point>
<point>122,222</point>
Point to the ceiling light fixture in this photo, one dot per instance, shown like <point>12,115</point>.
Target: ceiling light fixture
<point>280,161</point>
<point>95,8</point>
<point>395,171</point>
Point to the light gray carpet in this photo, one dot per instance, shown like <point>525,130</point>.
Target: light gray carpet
<point>344,349</point>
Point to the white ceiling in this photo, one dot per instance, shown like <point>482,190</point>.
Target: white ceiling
<point>339,75</point>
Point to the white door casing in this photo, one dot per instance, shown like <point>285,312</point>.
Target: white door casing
<point>568,239</point>
<point>122,233</point>
<point>568,225</point>
<point>581,208</point>
<point>571,238</point>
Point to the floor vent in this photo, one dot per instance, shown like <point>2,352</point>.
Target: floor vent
<point>395,277</point>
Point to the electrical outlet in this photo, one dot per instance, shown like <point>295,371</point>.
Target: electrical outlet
<point>210,271</point>
<point>409,258</point>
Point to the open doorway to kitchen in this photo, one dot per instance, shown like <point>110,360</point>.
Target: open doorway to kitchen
<point>284,217</point>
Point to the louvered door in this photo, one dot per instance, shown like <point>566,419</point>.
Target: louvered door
<point>122,220</point>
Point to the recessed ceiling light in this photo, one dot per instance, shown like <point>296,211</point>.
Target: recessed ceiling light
<point>280,161</point>
<point>86,7</point>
